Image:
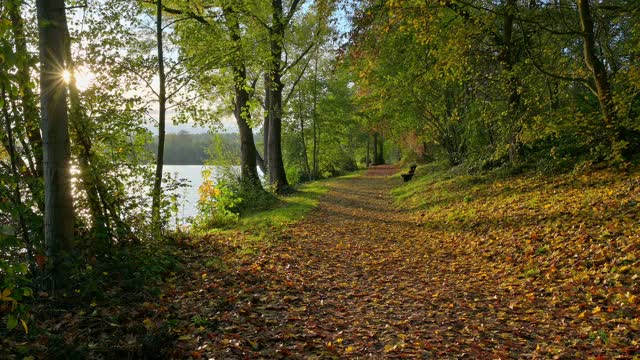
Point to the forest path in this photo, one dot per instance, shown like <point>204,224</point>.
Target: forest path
<point>360,278</point>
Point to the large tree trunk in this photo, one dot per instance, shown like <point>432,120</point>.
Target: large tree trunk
<point>277,175</point>
<point>248,153</point>
<point>162,100</point>
<point>595,65</point>
<point>58,211</point>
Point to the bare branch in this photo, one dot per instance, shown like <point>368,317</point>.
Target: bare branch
<point>302,55</point>
<point>295,83</point>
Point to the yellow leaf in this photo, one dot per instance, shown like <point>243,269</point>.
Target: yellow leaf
<point>6,292</point>
<point>581,315</point>
<point>149,324</point>
<point>349,349</point>
<point>24,326</point>
<point>389,348</point>
<point>204,276</point>
<point>596,310</point>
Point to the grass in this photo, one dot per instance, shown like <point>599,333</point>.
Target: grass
<point>261,229</point>
<point>290,208</point>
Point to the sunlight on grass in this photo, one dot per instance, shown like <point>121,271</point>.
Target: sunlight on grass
<point>289,209</point>
<point>263,228</point>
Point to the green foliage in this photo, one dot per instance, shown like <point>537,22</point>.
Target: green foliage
<point>226,198</point>
<point>489,97</point>
<point>218,205</point>
<point>128,269</point>
<point>15,291</point>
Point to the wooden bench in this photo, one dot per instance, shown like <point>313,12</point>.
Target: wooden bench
<point>408,176</point>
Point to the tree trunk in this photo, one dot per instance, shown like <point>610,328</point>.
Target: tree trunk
<point>13,157</point>
<point>305,156</point>
<point>266,125</point>
<point>277,175</point>
<point>162,100</point>
<point>380,152</point>
<point>314,118</point>
<point>259,160</point>
<point>367,159</point>
<point>248,152</point>
<point>23,78</point>
<point>78,122</point>
<point>58,211</point>
<point>595,65</point>
<point>378,149</point>
<point>375,149</point>
<point>508,61</point>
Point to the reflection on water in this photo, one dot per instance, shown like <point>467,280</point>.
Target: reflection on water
<point>192,174</point>
<point>189,175</point>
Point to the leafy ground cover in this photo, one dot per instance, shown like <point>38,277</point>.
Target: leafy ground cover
<point>442,267</point>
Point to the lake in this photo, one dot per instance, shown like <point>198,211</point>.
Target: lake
<point>192,174</point>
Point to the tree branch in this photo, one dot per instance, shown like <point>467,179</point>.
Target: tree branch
<point>295,83</point>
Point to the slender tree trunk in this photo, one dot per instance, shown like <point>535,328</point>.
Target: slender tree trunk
<point>267,123</point>
<point>508,62</point>
<point>13,157</point>
<point>316,150</point>
<point>595,65</point>
<point>314,116</point>
<point>305,156</point>
<point>367,159</point>
<point>380,151</point>
<point>162,100</point>
<point>58,211</point>
<point>375,149</point>
<point>78,122</point>
<point>32,142</point>
<point>23,77</point>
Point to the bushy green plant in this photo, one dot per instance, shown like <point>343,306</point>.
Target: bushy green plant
<point>224,199</point>
<point>218,204</point>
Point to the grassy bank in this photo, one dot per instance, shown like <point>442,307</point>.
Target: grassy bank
<point>559,247</point>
